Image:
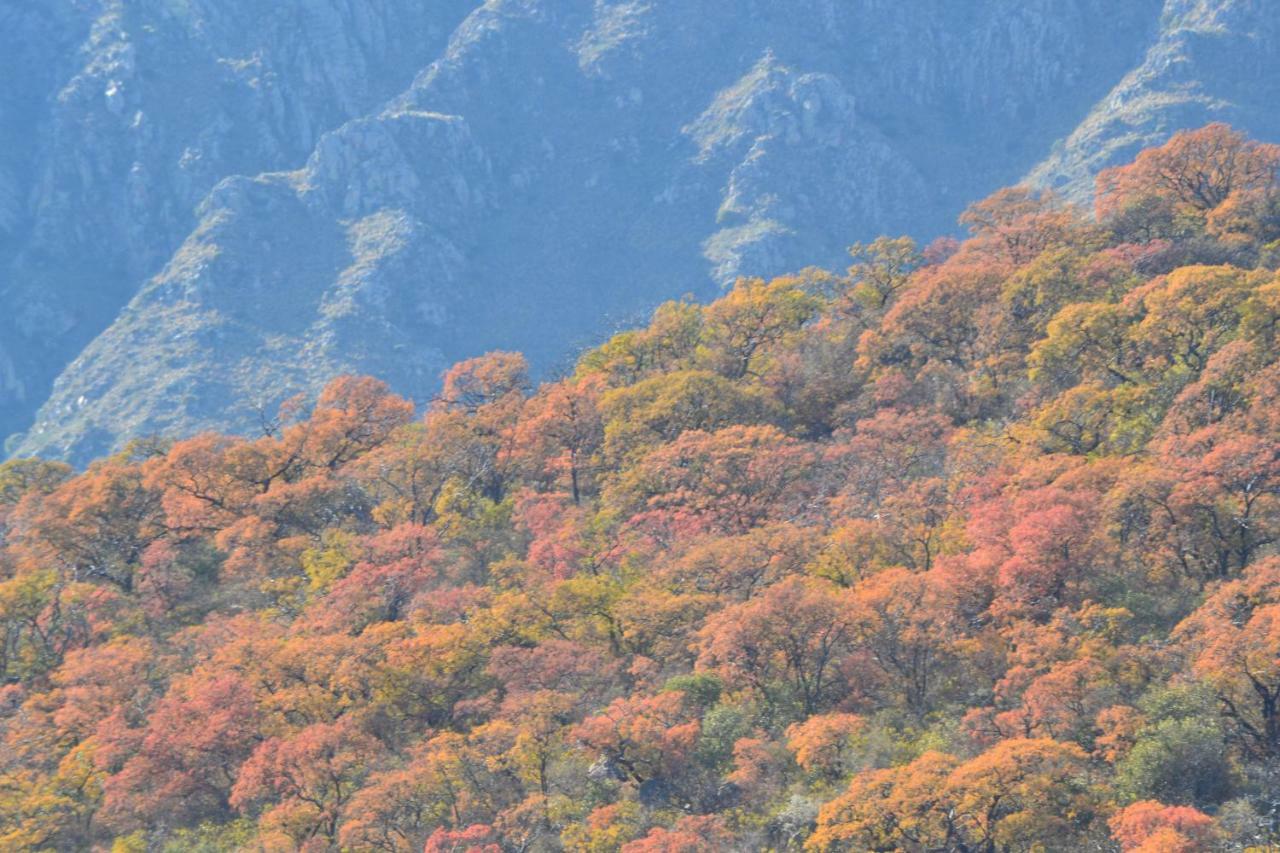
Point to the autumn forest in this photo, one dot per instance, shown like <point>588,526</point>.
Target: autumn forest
<point>968,548</point>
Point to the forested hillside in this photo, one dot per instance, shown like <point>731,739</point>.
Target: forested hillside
<point>969,547</point>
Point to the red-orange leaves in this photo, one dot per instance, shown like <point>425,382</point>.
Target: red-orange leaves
<point>1197,169</point>
<point>190,755</point>
<point>559,434</point>
<point>1018,223</point>
<point>788,644</point>
<point>93,528</point>
<point>641,739</point>
<point>825,744</point>
<point>902,632</point>
<point>729,481</point>
<point>1152,827</point>
<point>400,564</point>
<point>1020,795</point>
<point>693,834</point>
<point>900,808</point>
<point>309,776</point>
<point>477,838</point>
<point>1235,639</point>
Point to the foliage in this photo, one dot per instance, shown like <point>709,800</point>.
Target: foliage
<point>969,548</point>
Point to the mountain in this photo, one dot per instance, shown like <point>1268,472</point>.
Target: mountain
<point>386,189</point>
<point>119,116</point>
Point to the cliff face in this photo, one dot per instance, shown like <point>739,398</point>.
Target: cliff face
<point>556,168</point>
<point>118,116</point>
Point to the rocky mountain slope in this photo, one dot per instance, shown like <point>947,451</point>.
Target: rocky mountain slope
<point>118,116</point>
<point>1214,60</point>
<point>229,202</point>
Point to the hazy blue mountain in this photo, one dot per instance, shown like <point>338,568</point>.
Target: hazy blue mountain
<point>208,206</point>
<point>118,116</point>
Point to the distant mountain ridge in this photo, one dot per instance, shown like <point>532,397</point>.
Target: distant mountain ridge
<point>387,187</point>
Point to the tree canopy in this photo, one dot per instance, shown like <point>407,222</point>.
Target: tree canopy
<point>966,548</point>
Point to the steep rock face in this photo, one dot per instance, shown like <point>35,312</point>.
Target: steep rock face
<point>249,295</point>
<point>125,115</point>
<point>36,47</point>
<point>562,166</point>
<point>1215,60</point>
